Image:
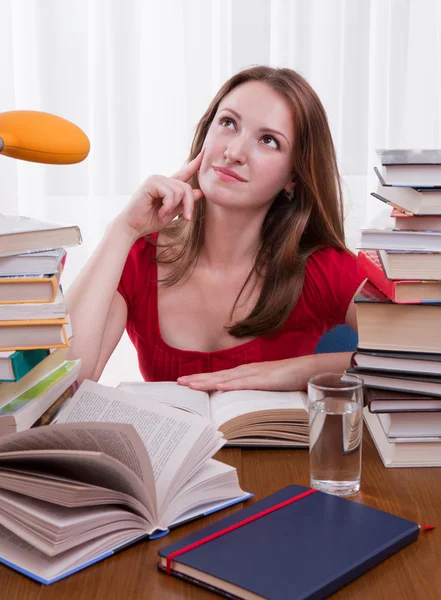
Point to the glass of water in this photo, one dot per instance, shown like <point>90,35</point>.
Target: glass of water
<point>335,432</point>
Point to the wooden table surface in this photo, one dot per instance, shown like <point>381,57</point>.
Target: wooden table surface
<point>414,573</point>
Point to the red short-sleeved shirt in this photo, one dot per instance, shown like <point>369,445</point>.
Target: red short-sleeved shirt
<point>331,279</point>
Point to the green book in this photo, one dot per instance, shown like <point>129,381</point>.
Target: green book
<point>15,365</point>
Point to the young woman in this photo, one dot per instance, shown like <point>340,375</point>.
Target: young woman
<point>238,290</point>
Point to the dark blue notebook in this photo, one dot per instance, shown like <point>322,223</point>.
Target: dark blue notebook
<point>306,550</point>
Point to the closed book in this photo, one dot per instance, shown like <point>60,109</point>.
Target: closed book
<point>397,362</point>
<point>23,234</point>
<point>411,425</point>
<point>29,335</point>
<point>32,263</point>
<point>16,364</point>
<point>394,239</point>
<point>410,167</point>
<point>404,382</point>
<point>414,201</point>
<point>403,454</point>
<point>383,325</point>
<point>404,291</point>
<point>389,401</point>
<point>415,222</point>
<point>22,289</point>
<point>32,311</point>
<point>306,549</point>
<point>417,264</point>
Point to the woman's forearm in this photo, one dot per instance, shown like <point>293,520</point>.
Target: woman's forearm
<point>89,298</point>
<point>304,367</point>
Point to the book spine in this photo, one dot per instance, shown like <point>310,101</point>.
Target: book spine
<point>374,272</point>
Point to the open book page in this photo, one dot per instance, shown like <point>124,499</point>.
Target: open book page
<point>177,442</point>
<point>19,553</point>
<point>169,392</point>
<point>54,529</point>
<point>110,455</point>
<point>228,405</point>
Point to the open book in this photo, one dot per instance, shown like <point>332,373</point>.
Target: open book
<point>112,470</point>
<point>245,417</point>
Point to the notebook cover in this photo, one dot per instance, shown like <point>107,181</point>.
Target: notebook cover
<point>307,550</point>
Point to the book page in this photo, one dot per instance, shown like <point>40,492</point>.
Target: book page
<point>169,435</point>
<point>169,392</point>
<point>228,405</point>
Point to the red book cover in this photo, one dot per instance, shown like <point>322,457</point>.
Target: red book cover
<point>370,263</point>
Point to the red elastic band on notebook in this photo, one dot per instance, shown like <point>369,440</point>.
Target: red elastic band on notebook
<point>204,540</point>
<point>426,527</point>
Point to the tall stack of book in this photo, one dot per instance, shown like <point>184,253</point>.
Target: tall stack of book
<point>399,311</point>
<point>34,327</point>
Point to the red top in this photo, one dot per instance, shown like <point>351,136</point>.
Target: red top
<point>331,279</point>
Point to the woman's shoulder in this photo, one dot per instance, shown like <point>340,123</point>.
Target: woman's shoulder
<point>331,259</point>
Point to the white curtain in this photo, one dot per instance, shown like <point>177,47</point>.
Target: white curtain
<point>137,75</point>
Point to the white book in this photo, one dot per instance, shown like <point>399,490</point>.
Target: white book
<point>415,424</point>
<point>135,470</point>
<point>23,234</point>
<point>410,454</point>
<point>34,310</point>
<point>32,263</point>
<point>245,417</point>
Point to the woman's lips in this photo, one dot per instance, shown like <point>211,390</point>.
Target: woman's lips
<point>228,175</point>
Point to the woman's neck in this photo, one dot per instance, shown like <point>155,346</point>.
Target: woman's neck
<point>231,238</point>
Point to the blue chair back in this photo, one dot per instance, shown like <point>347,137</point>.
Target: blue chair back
<point>339,339</point>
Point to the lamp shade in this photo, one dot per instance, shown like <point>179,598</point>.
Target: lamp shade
<point>41,137</point>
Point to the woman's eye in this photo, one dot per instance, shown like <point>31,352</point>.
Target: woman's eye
<point>270,141</point>
<point>227,122</point>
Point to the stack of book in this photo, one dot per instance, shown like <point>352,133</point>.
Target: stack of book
<point>399,311</point>
<point>34,326</point>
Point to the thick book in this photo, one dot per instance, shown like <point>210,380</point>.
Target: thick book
<point>402,453</point>
<point>389,401</point>
<point>410,200</point>
<point>29,335</point>
<point>23,234</point>
<point>401,292</point>
<point>395,239</point>
<point>384,325</point>
<point>32,288</point>
<point>32,263</point>
<point>397,362</point>
<point>410,168</point>
<point>111,471</point>
<point>16,364</point>
<point>247,418</point>
<point>422,425</point>
<point>309,546</point>
<point>34,311</point>
<point>415,222</point>
<point>411,264</point>
<point>400,382</point>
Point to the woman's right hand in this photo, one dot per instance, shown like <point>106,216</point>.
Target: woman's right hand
<point>159,200</point>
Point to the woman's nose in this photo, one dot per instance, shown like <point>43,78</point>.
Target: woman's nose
<point>235,151</point>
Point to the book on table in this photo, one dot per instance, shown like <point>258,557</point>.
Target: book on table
<point>247,418</point>
<point>32,311</point>
<point>389,401</point>
<point>409,167</point>
<point>384,325</point>
<point>33,334</point>
<point>32,263</point>
<point>28,288</point>
<point>416,222</point>
<point>23,234</point>
<point>15,364</point>
<point>400,382</point>
<point>411,425</point>
<point>112,470</point>
<point>404,291</point>
<point>294,544</point>
<point>23,402</point>
<point>413,201</point>
<point>397,362</point>
<point>411,264</point>
<point>387,238</point>
<point>404,453</point>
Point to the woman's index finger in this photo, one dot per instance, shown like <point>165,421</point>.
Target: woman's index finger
<point>187,172</point>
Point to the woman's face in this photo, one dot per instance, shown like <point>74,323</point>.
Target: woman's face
<point>248,148</point>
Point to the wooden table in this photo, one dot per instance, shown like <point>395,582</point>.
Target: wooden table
<point>414,573</point>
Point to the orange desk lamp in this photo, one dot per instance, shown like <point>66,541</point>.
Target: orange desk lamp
<point>41,137</point>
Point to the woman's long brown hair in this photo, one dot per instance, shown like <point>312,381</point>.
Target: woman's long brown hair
<point>292,230</point>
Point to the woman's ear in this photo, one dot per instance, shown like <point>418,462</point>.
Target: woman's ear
<point>289,187</point>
